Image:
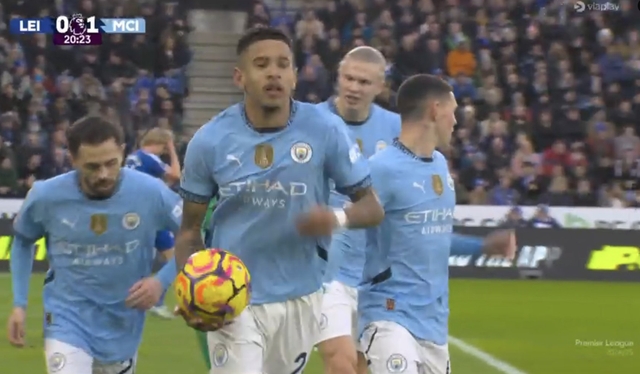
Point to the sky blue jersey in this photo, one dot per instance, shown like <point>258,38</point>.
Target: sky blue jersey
<point>147,163</point>
<point>406,271</point>
<point>347,247</point>
<point>264,181</point>
<point>97,250</point>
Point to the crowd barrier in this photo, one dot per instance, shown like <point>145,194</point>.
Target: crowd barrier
<point>559,254</point>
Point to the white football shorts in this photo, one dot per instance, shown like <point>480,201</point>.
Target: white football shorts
<point>63,358</point>
<point>339,312</point>
<point>271,338</point>
<point>390,348</point>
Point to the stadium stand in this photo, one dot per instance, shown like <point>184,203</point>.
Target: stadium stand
<point>137,81</point>
<point>549,96</point>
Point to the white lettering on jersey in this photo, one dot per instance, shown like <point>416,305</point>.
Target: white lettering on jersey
<point>266,194</point>
<point>435,221</point>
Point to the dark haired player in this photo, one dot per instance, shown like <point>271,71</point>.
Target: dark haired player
<point>100,240</point>
<point>403,303</point>
<point>270,159</point>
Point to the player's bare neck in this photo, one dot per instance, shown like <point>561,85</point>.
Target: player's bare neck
<point>262,118</point>
<point>352,116</point>
<point>417,141</point>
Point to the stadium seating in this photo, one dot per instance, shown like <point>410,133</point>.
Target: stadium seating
<point>549,96</point>
<point>136,81</point>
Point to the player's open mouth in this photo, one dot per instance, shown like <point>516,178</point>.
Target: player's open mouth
<point>273,89</point>
<point>352,99</point>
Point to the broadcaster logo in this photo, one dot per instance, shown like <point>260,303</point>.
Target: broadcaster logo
<point>580,7</point>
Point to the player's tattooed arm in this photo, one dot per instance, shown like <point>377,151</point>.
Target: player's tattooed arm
<point>189,238</point>
<point>365,210</point>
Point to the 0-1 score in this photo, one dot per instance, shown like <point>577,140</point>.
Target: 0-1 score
<point>63,24</point>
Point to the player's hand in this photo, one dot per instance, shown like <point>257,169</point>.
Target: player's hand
<point>15,327</point>
<point>197,323</point>
<point>144,294</point>
<point>501,243</point>
<point>318,221</point>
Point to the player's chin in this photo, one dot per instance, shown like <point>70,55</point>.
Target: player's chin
<point>103,190</point>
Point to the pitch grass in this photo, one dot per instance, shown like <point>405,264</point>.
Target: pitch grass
<point>535,326</point>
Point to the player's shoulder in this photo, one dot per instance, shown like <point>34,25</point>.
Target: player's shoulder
<point>317,116</point>
<point>219,124</point>
<point>132,178</point>
<point>63,184</point>
<point>384,161</point>
<point>439,157</point>
<point>385,114</point>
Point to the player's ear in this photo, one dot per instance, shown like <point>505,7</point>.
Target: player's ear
<point>238,78</point>
<point>295,79</point>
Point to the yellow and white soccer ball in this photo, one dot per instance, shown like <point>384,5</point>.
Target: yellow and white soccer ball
<point>214,286</point>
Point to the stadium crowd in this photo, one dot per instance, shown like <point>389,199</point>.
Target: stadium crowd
<point>137,81</point>
<point>549,97</point>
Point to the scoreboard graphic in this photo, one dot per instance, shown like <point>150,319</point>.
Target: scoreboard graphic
<point>77,29</point>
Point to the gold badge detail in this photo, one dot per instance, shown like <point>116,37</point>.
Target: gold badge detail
<point>99,223</point>
<point>359,141</point>
<point>436,182</point>
<point>263,156</point>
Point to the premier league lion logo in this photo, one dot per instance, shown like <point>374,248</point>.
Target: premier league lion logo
<point>77,25</point>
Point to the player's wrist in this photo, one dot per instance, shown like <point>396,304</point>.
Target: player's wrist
<point>342,221</point>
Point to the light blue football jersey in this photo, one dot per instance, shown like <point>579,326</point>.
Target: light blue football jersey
<point>406,271</point>
<point>264,181</point>
<point>346,255</point>
<point>97,250</point>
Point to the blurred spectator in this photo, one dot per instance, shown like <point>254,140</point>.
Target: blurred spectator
<point>137,81</point>
<point>549,97</point>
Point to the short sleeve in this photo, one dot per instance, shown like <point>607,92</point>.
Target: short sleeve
<point>381,182</point>
<point>170,214</point>
<point>28,223</point>
<point>345,165</point>
<point>197,184</point>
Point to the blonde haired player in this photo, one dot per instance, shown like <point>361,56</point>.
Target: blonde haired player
<point>154,144</point>
<point>361,77</point>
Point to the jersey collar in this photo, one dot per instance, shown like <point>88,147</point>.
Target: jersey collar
<point>408,152</point>
<point>332,106</point>
<point>292,113</point>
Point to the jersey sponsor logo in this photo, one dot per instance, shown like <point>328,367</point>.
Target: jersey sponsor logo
<point>220,355</point>
<point>107,254</point>
<point>433,221</point>
<point>436,183</point>
<point>131,221</point>
<point>397,363</point>
<point>263,155</point>
<point>301,153</point>
<point>99,223</point>
<point>380,145</point>
<point>265,194</point>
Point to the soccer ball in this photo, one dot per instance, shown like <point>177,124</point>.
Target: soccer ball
<point>214,286</point>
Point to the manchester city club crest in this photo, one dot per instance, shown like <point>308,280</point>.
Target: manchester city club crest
<point>301,153</point>
<point>396,363</point>
<point>220,355</point>
<point>77,24</point>
<point>131,221</point>
<point>56,362</point>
